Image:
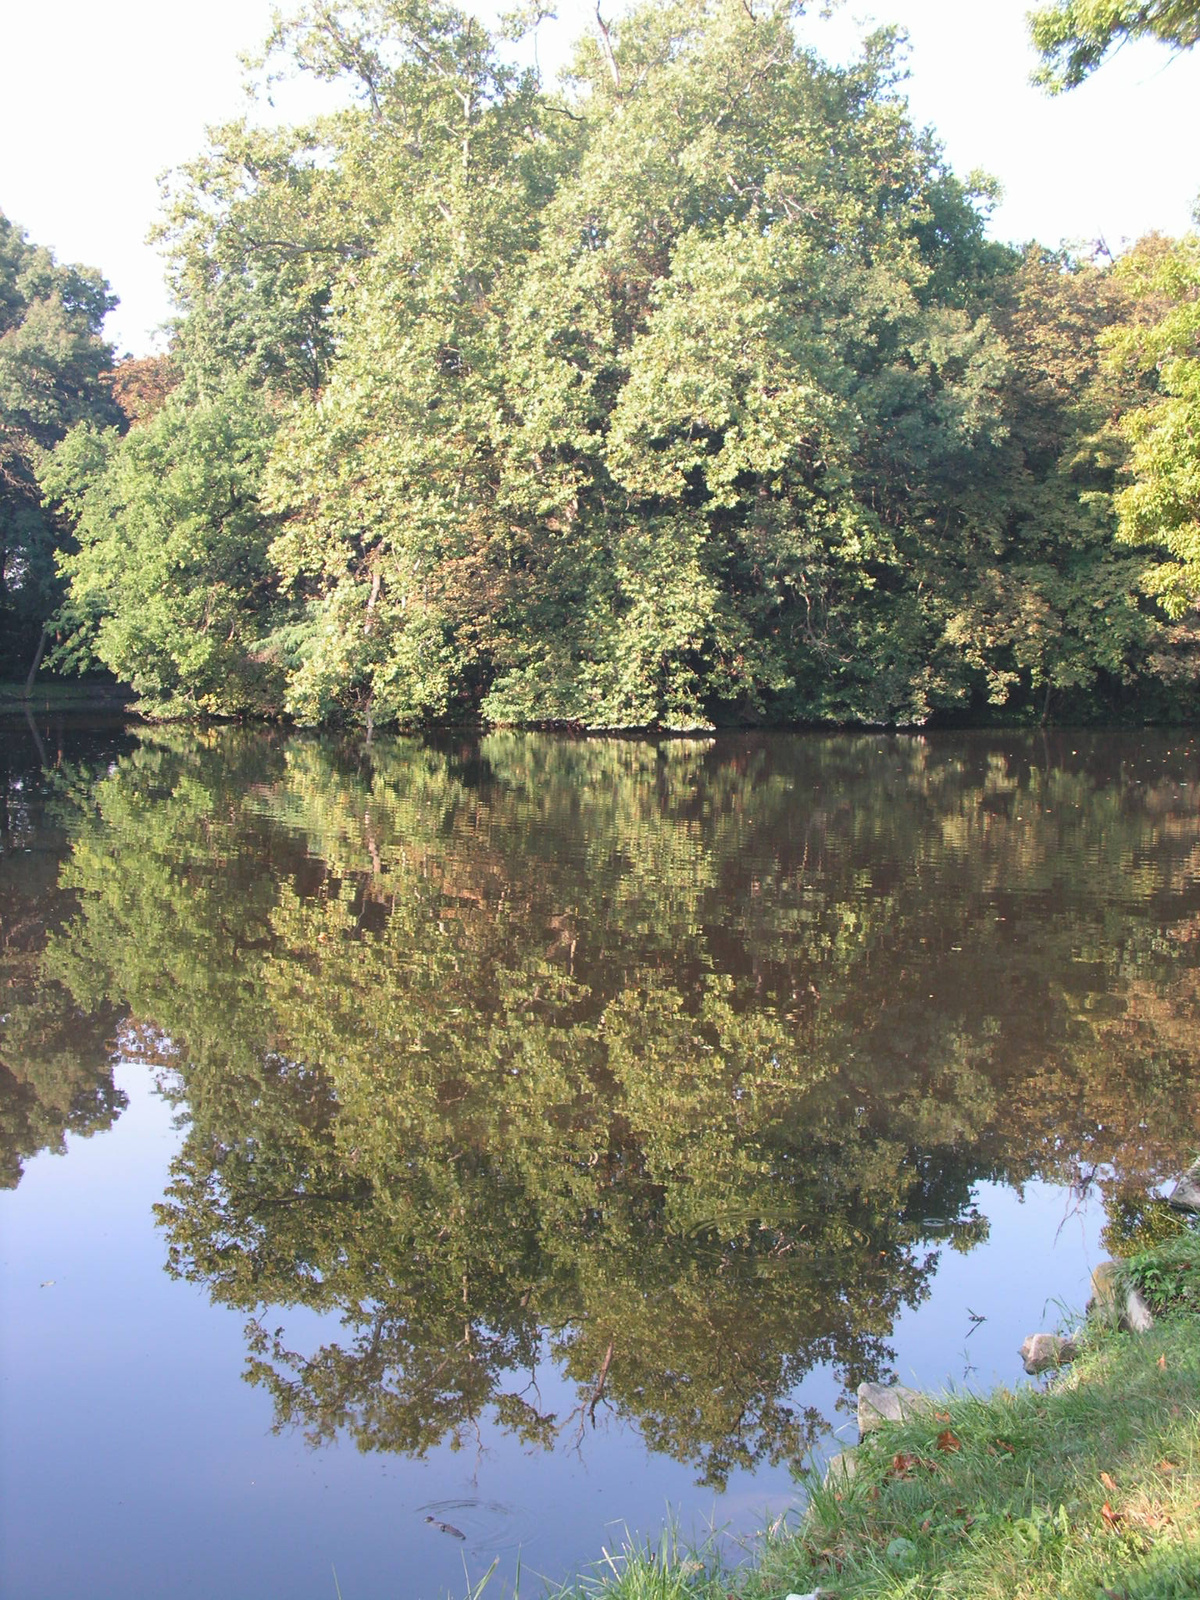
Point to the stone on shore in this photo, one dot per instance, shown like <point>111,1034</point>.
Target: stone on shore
<point>1185,1196</point>
<point>1125,1307</point>
<point>882,1402</point>
<point>1042,1352</point>
<point>841,1468</point>
<point>1137,1317</point>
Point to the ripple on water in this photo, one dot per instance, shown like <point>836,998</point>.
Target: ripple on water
<point>488,1527</point>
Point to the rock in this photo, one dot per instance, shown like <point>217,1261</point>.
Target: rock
<point>1117,1303</point>
<point>1137,1316</point>
<point>1104,1290</point>
<point>1042,1352</point>
<point>881,1402</point>
<point>1185,1196</point>
<point>841,1468</point>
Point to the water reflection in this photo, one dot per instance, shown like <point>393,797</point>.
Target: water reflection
<point>672,1064</point>
<point>55,1068</point>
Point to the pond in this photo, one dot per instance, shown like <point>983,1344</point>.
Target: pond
<point>476,1149</point>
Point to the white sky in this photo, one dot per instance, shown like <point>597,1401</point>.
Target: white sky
<point>111,95</point>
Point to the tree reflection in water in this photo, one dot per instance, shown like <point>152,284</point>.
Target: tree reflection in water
<point>673,1064</point>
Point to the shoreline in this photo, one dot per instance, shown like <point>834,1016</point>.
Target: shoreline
<point>1085,1489</point>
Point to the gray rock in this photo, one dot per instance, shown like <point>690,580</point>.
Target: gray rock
<point>1104,1291</point>
<point>1117,1303</point>
<point>1042,1352</point>
<point>1137,1316</point>
<point>881,1402</point>
<point>1185,1196</point>
<point>841,1468</point>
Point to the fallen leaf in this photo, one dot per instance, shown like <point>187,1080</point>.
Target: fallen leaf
<point>941,1416</point>
<point>1109,1482</point>
<point>902,1464</point>
<point>1000,1445</point>
<point>948,1441</point>
<point>1111,1517</point>
<point>1162,1363</point>
<point>1168,1466</point>
<point>927,1524</point>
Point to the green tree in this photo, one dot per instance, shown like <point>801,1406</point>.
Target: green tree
<point>1074,36</point>
<point>169,584</point>
<point>53,359</point>
<point>695,395</point>
<point>1160,507</point>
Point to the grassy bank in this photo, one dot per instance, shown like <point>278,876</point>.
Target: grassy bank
<point>1088,1490</point>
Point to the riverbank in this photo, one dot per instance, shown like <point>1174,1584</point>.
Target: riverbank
<point>1084,1490</point>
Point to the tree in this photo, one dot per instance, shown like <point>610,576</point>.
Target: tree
<point>695,396</point>
<point>169,585</point>
<point>1160,507</point>
<point>1074,36</point>
<point>52,364</point>
<point>564,506</point>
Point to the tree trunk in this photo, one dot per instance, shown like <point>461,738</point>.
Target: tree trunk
<point>37,661</point>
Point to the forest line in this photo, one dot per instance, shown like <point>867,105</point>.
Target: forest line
<point>689,392</point>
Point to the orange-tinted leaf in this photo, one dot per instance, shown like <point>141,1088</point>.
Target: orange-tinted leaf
<point>1109,1482</point>
<point>1162,1363</point>
<point>1112,1518</point>
<point>948,1441</point>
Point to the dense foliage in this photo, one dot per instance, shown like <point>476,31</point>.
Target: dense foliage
<point>693,394</point>
<point>52,360</point>
<point>1074,36</point>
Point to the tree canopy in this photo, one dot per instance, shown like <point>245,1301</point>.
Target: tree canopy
<point>52,363</point>
<point>693,393</point>
<point>1074,36</point>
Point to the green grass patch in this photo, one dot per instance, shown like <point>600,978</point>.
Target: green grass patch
<point>1087,1490</point>
<point>1168,1276</point>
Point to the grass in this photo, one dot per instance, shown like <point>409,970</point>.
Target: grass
<point>1168,1276</point>
<point>1086,1490</point>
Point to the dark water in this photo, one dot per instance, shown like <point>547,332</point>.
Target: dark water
<point>552,1132</point>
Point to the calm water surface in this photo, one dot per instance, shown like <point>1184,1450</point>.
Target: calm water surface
<point>532,1135</point>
